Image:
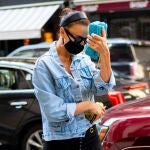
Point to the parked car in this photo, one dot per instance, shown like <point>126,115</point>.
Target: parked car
<point>125,90</point>
<point>130,57</point>
<point>127,126</point>
<point>20,119</point>
<point>32,50</point>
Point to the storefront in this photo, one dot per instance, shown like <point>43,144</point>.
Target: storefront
<point>125,18</point>
<point>28,24</point>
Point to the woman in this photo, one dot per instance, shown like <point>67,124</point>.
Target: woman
<point>65,82</point>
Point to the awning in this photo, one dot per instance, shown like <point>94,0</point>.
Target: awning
<point>22,23</point>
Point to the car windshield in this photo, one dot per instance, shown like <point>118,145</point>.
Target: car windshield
<point>120,52</point>
<point>143,53</point>
<point>31,52</point>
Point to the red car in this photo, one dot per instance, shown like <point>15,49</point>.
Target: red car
<point>127,126</point>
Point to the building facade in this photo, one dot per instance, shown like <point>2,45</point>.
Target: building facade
<point>125,18</point>
<point>28,22</point>
<point>40,18</point>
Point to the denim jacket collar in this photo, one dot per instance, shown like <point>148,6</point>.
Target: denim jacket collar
<point>53,52</point>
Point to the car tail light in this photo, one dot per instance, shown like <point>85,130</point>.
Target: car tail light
<point>136,86</point>
<point>108,146</point>
<point>116,97</point>
<point>103,132</point>
<point>132,70</point>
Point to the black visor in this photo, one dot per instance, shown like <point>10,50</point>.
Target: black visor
<point>72,17</point>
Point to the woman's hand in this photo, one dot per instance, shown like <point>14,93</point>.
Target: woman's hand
<point>98,43</point>
<point>97,109</point>
<point>92,107</point>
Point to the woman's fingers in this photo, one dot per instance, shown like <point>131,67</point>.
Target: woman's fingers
<point>94,38</point>
<point>100,112</point>
<point>98,43</point>
<point>103,34</point>
<point>97,109</point>
<point>91,42</point>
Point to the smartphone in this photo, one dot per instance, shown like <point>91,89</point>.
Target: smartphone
<point>96,28</point>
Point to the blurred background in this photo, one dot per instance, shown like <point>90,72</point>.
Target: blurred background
<point>32,21</point>
<point>27,28</point>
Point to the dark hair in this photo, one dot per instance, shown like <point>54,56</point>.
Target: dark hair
<point>65,12</point>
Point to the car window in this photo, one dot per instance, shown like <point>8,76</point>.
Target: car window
<point>120,52</point>
<point>40,51</point>
<point>31,52</point>
<point>142,53</point>
<point>14,79</point>
<point>25,53</point>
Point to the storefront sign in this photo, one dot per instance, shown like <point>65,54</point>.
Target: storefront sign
<point>139,4</point>
<point>115,6</point>
<point>90,8</point>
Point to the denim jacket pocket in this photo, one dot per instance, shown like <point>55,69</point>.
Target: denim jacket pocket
<point>63,88</point>
<point>63,127</point>
<point>86,76</point>
<point>62,82</point>
<point>56,126</point>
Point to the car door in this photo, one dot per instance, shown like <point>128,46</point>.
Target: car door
<point>16,97</point>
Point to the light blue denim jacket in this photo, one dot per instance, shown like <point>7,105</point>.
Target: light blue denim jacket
<point>58,92</point>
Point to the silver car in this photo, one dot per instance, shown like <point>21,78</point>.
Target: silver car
<point>32,50</point>
<point>130,57</point>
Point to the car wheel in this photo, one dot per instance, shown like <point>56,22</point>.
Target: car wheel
<point>33,139</point>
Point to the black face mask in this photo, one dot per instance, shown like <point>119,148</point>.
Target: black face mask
<point>74,47</point>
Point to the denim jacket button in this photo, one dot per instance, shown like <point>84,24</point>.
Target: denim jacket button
<point>81,118</point>
<point>77,86</point>
<point>101,88</point>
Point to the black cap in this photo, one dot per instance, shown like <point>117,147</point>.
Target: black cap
<point>72,17</point>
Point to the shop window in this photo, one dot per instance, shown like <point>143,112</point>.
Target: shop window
<point>144,29</point>
<point>123,28</point>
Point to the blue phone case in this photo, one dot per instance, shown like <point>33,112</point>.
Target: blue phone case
<point>95,27</point>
